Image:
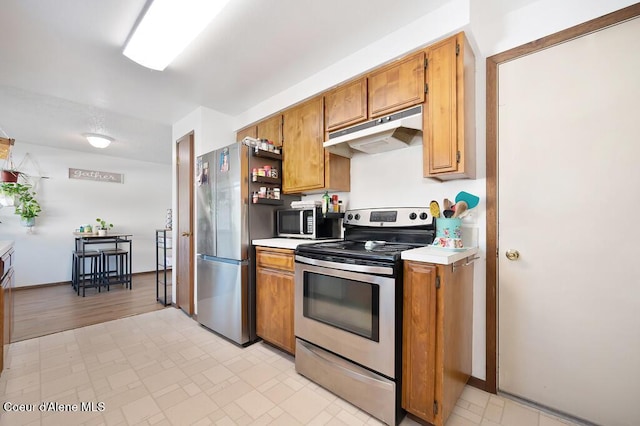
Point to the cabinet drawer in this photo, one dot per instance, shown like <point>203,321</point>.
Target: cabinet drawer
<point>275,258</point>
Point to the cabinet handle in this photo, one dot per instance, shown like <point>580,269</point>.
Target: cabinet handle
<point>186,234</point>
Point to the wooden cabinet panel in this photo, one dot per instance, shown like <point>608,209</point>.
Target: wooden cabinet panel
<point>419,339</point>
<point>304,157</point>
<point>436,337</point>
<point>449,125</point>
<point>346,105</point>
<point>271,129</point>
<point>251,131</point>
<point>274,297</point>
<point>275,258</point>
<point>397,86</point>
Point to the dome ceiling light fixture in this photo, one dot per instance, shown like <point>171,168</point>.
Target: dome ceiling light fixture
<point>165,29</point>
<point>97,140</point>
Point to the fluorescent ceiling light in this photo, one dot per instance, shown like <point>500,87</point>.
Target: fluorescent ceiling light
<point>166,28</point>
<point>99,141</point>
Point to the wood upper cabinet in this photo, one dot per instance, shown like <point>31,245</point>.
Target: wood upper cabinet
<point>449,122</point>
<point>274,297</point>
<point>307,167</point>
<point>436,337</point>
<point>251,131</point>
<point>303,162</point>
<point>271,129</point>
<point>346,105</point>
<point>397,86</point>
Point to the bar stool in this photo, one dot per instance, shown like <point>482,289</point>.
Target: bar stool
<point>121,271</point>
<point>80,278</point>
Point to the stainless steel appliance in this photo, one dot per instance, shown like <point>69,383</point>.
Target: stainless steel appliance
<point>348,307</point>
<point>308,223</point>
<point>226,224</point>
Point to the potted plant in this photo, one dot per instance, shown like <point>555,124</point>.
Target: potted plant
<point>8,173</point>
<point>28,207</point>
<point>103,226</point>
<point>23,198</point>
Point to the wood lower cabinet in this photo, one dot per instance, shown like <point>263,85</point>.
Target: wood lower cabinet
<point>397,86</point>
<point>307,167</point>
<point>436,337</point>
<point>449,120</point>
<point>274,297</point>
<point>346,105</point>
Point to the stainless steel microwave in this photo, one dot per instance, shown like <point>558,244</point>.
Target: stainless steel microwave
<point>307,223</point>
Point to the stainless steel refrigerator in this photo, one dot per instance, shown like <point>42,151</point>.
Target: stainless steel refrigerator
<point>227,221</point>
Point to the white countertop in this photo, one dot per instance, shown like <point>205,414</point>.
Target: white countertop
<point>5,246</point>
<point>441,256</point>
<point>286,243</point>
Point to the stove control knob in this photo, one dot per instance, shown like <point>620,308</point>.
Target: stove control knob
<point>349,216</point>
<point>423,216</point>
<point>413,216</point>
<point>357,216</point>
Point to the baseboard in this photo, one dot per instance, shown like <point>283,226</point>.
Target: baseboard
<point>26,287</point>
<point>477,383</point>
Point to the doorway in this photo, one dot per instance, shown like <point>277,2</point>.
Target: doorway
<point>184,247</point>
<point>561,131</point>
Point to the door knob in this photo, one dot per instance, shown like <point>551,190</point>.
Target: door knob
<point>512,254</point>
<point>186,234</point>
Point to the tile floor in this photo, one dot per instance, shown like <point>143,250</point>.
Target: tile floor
<point>162,368</point>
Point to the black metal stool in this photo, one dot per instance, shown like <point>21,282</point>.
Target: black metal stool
<point>80,278</point>
<point>121,271</point>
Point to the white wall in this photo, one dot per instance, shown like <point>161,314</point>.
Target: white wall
<point>394,179</point>
<point>138,206</point>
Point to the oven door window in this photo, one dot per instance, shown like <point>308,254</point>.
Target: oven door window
<point>346,304</point>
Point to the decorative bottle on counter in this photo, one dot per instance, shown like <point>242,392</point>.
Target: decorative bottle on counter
<point>326,200</point>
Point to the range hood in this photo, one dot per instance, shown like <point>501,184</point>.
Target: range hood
<point>391,132</point>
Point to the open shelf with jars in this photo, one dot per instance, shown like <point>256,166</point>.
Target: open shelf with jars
<point>266,176</point>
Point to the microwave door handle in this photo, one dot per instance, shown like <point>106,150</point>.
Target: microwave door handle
<point>301,222</point>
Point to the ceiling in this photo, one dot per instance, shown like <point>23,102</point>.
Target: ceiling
<point>63,72</point>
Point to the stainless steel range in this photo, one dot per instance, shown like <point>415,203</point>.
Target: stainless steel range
<point>348,307</point>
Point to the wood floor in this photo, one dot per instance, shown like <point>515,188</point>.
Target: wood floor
<point>45,310</point>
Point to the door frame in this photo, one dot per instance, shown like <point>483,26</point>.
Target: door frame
<point>492,272</point>
<point>190,140</point>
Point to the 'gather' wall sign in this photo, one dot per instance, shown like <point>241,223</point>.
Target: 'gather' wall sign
<point>96,175</point>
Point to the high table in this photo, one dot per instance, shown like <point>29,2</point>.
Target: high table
<point>114,241</point>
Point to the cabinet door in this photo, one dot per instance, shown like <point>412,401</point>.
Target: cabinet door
<point>274,307</point>
<point>251,131</point>
<point>419,340</point>
<point>449,135</point>
<point>271,129</point>
<point>346,105</point>
<point>303,133</point>
<point>397,86</point>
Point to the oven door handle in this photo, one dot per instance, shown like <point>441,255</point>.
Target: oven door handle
<point>370,269</point>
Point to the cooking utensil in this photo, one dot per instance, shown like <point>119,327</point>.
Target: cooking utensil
<point>446,204</point>
<point>461,207</point>
<point>470,199</point>
<point>448,213</point>
<point>434,208</point>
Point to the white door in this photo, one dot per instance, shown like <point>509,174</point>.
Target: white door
<point>569,194</point>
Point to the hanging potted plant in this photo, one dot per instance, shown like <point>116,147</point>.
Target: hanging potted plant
<point>27,207</point>
<point>103,226</point>
<point>8,173</point>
